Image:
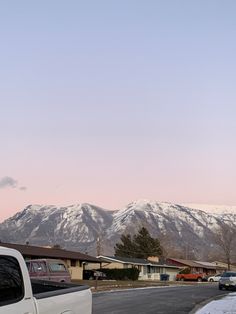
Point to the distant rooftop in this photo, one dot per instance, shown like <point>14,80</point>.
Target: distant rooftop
<point>49,252</point>
<point>134,261</point>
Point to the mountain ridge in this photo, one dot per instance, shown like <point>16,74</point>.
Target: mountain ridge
<point>81,226</point>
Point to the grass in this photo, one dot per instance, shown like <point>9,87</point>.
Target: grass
<point>106,285</point>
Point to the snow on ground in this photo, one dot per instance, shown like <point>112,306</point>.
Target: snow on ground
<point>227,305</point>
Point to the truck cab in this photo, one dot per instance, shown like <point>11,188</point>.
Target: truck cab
<point>18,295</point>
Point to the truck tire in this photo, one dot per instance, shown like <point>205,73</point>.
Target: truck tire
<point>199,279</point>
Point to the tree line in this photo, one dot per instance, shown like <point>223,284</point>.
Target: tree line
<point>143,245</point>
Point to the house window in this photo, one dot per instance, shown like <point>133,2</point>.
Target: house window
<point>73,263</point>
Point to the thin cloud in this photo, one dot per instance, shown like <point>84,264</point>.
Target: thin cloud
<point>8,182</point>
<point>23,188</point>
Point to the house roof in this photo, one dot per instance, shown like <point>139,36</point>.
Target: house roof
<point>223,265</point>
<point>208,265</point>
<point>133,261</point>
<point>125,260</point>
<point>38,251</point>
<point>185,262</point>
<point>192,263</point>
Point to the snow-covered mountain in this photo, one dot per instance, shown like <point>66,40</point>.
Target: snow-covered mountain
<point>214,209</point>
<point>80,226</point>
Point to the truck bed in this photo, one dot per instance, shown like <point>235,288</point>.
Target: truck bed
<point>45,289</point>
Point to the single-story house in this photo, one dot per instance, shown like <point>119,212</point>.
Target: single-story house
<point>225,265</point>
<point>149,268</point>
<point>196,266</point>
<point>75,261</point>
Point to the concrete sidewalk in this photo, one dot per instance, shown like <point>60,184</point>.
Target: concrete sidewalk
<point>226,305</point>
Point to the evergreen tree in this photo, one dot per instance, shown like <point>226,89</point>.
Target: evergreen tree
<point>146,245</point>
<point>142,245</point>
<point>126,248</point>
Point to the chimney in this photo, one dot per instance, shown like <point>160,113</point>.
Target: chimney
<point>154,259</point>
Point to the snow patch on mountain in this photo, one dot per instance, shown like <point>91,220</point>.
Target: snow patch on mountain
<point>213,209</point>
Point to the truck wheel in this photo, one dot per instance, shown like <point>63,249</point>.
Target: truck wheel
<point>182,279</point>
<point>199,279</point>
<point>211,280</point>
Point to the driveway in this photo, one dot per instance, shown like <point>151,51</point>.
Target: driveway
<point>166,300</point>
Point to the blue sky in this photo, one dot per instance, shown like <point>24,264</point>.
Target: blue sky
<point>117,100</point>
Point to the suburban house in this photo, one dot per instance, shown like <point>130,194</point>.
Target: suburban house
<point>225,265</point>
<point>75,261</point>
<point>196,266</point>
<point>150,269</point>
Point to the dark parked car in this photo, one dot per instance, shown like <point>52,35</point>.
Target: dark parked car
<point>93,274</point>
<point>228,280</point>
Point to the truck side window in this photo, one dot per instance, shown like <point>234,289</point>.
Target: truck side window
<point>38,267</point>
<point>11,281</point>
<point>57,267</point>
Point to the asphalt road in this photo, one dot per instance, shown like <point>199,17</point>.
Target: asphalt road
<point>166,300</point>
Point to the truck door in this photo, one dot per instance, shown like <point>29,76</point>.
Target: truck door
<point>12,292</point>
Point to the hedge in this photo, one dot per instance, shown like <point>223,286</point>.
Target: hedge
<point>121,274</point>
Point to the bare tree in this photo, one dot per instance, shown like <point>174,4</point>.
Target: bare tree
<point>225,238</point>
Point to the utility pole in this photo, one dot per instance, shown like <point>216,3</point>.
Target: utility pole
<point>99,246</point>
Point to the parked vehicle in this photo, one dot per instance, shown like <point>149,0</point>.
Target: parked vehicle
<point>19,295</point>
<point>48,269</point>
<point>227,280</point>
<point>192,277</point>
<point>89,274</point>
<point>214,278</point>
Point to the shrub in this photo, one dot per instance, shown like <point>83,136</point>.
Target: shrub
<point>121,274</point>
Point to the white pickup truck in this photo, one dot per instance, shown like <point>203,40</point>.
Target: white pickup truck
<point>18,295</point>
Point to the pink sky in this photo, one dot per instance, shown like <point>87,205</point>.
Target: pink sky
<point>110,178</point>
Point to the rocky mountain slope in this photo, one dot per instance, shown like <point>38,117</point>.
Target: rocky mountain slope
<point>81,227</point>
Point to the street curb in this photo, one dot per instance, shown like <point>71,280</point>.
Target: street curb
<point>138,288</point>
<point>202,304</point>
